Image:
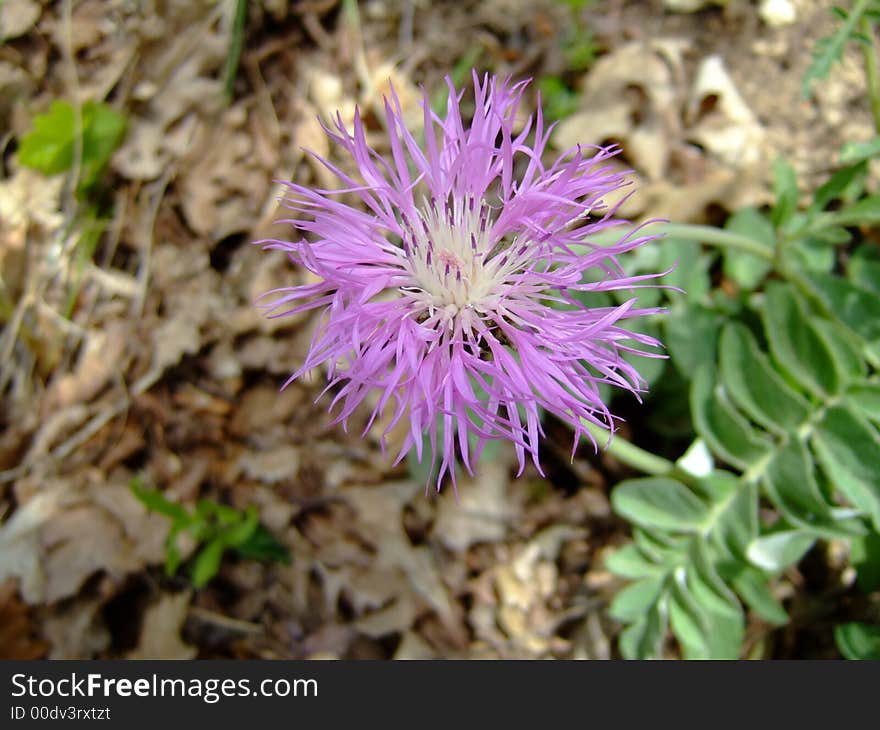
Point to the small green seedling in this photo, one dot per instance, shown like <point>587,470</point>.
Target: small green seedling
<point>217,528</point>
<point>50,146</point>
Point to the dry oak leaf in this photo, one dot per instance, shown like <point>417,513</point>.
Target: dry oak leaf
<point>160,631</point>
<point>80,542</point>
<point>632,95</point>
<point>481,512</point>
<point>17,17</point>
<point>77,631</point>
<point>58,538</point>
<point>20,554</point>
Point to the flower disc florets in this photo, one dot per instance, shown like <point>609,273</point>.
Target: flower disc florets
<point>456,289</point>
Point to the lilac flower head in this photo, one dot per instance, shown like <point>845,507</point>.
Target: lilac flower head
<point>454,290</point>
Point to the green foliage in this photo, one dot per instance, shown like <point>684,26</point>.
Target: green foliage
<point>50,146</point>
<point>858,640</point>
<point>830,50</point>
<point>865,556</point>
<point>783,389</point>
<point>579,47</point>
<point>855,152</point>
<point>217,528</point>
<point>746,270</point>
<point>576,4</point>
<point>557,99</point>
<point>685,538</point>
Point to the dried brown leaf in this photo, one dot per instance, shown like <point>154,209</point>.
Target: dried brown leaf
<point>481,512</point>
<point>160,631</point>
<point>17,17</point>
<point>77,630</point>
<point>19,638</point>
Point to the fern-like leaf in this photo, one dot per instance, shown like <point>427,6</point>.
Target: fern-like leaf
<point>830,50</point>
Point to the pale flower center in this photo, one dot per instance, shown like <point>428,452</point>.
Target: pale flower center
<point>453,261</point>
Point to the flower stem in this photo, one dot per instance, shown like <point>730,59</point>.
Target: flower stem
<point>869,53</point>
<point>714,237</point>
<point>630,454</point>
<point>700,234</point>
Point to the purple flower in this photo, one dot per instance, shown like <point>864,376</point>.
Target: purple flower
<point>455,290</point>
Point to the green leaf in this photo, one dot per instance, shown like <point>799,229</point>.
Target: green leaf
<point>704,615</point>
<point>865,397</point>
<point>240,532</point>
<point>50,146</point>
<point>865,557</point>
<point>650,368</point>
<point>745,269</point>
<point>790,483</point>
<point>691,337</point>
<point>661,547</point>
<point>707,587</point>
<point>830,49</point>
<point>857,308</point>
<point>864,268</point>
<point>827,236</point>
<point>754,588</point>
<point>207,563</point>
<point>848,359</point>
<point>644,638</point>
<point>262,545</point>
<point>690,268</point>
<point>717,486</point>
<point>689,623</point>
<point>659,502</point>
<point>794,343</point>
<point>103,131</point>
<point>173,557</point>
<point>864,212</point>
<point>630,562</point>
<point>155,501</point>
<point>736,519</point>
<point>853,152</point>
<point>837,186</point>
<point>785,189</point>
<point>812,254</point>
<point>726,634</point>
<point>755,386</point>
<point>634,601</point>
<point>221,514</point>
<point>726,432</point>
<point>849,451</point>
<point>858,641</point>
<point>778,550</point>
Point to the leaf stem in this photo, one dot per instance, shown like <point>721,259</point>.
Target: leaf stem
<point>698,233</point>
<point>628,453</point>
<point>714,237</point>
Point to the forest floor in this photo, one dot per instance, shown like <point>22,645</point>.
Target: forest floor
<point>135,356</point>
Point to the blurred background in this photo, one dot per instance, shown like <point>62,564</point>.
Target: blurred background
<point>160,497</point>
